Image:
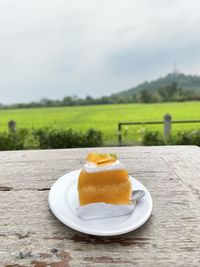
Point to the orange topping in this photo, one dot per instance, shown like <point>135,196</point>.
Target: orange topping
<point>101,158</point>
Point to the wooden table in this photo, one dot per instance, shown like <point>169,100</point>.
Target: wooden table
<point>31,236</point>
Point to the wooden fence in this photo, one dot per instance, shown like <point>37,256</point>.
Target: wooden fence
<point>167,125</point>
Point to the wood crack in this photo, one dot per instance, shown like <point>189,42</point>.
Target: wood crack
<point>139,241</point>
<point>6,188</point>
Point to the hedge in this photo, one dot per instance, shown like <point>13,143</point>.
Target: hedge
<point>46,138</point>
<point>191,137</point>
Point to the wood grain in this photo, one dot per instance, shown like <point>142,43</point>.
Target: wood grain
<point>31,236</point>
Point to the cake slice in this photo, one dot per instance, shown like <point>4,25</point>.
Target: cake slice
<point>104,179</point>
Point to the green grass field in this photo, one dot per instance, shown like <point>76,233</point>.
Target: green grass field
<point>103,117</point>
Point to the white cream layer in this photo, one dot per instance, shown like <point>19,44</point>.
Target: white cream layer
<point>91,167</point>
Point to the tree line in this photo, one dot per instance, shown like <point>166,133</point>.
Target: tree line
<point>167,93</point>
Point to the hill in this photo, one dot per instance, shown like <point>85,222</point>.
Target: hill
<point>174,87</point>
<point>186,82</point>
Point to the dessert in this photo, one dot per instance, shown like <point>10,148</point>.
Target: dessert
<point>104,179</point>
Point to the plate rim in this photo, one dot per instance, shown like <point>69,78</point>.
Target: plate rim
<point>117,232</point>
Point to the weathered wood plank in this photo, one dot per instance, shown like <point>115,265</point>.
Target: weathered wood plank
<point>31,236</point>
<point>41,174</point>
<point>187,170</point>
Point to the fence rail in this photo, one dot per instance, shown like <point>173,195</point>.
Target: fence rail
<point>167,121</point>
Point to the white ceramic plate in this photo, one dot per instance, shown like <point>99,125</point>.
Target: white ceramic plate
<point>63,201</point>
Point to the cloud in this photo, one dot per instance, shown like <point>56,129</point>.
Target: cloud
<point>57,48</point>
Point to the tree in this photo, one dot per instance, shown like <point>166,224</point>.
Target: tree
<point>145,96</point>
<point>89,100</point>
<point>168,92</point>
<point>68,101</point>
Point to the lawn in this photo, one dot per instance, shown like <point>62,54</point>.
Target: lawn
<point>103,117</point>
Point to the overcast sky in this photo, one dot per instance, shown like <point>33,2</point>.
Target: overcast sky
<point>53,48</point>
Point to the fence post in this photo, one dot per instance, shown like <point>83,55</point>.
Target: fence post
<point>119,134</point>
<point>12,126</point>
<point>167,125</point>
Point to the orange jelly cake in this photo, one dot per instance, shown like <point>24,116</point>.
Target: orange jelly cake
<point>104,179</point>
